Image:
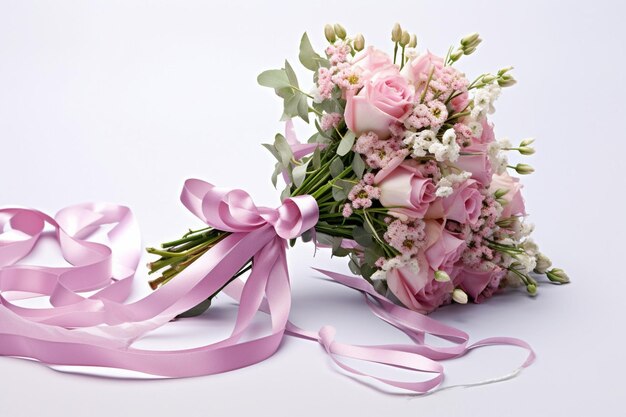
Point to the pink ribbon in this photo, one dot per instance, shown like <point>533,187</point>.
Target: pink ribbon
<point>100,329</point>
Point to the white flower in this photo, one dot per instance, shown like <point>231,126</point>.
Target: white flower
<point>315,92</point>
<point>476,128</point>
<point>526,229</point>
<point>444,191</point>
<point>543,263</point>
<point>527,262</point>
<point>530,247</point>
<point>410,53</point>
<point>379,275</point>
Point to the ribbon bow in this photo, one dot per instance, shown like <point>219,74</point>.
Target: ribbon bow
<point>100,330</point>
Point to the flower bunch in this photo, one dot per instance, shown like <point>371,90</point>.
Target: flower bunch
<point>411,184</point>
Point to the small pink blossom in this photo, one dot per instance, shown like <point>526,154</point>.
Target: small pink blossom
<point>330,120</point>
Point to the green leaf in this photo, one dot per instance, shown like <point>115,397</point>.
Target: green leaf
<point>363,237</point>
<point>346,143</point>
<point>358,166</point>
<point>278,168</point>
<point>354,267</point>
<point>291,75</point>
<point>317,158</point>
<point>372,253</point>
<point>341,189</point>
<point>324,239</point>
<point>303,108</point>
<point>275,78</point>
<point>299,173</point>
<point>283,149</point>
<point>291,105</point>
<point>197,310</point>
<point>308,57</point>
<point>272,149</point>
<point>336,167</point>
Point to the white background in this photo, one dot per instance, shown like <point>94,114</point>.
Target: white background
<point>122,100</point>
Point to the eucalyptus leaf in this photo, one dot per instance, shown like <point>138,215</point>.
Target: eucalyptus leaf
<point>273,150</point>
<point>358,166</point>
<point>372,254</point>
<point>286,193</point>
<point>363,237</point>
<point>324,239</point>
<point>338,193</point>
<point>308,57</point>
<point>291,106</point>
<point>283,149</point>
<point>278,168</point>
<point>299,173</point>
<point>274,78</point>
<point>291,75</point>
<point>336,167</point>
<point>354,267</point>
<point>317,158</point>
<point>346,143</point>
<point>197,310</point>
<point>303,108</point>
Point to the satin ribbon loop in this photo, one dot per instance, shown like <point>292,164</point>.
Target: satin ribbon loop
<point>234,211</point>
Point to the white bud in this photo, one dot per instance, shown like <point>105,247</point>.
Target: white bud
<point>459,296</point>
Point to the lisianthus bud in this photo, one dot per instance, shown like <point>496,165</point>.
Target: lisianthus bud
<point>396,33</point>
<point>359,42</point>
<point>329,33</point>
<point>442,276</point>
<point>405,38</point>
<point>469,39</point>
<point>506,80</point>
<point>557,275</point>
<point>531,289</point>
<point>504,71</point>
<point>413,41</point>
<point>500,192</point>
<point>526,150</point>
<point>340,31</point>
<point>469,51</point>
<point>454,56</point>
<point>543,263</point>
<point>459,296</point>
<point>524,169</point>
<point>526,142</point>
<point>488,78</point>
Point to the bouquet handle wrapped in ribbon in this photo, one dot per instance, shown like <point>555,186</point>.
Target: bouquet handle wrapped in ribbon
<point>99,330</point>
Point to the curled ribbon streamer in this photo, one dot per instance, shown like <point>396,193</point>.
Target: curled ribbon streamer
<point>99,330</point>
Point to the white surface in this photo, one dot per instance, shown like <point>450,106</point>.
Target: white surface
<point>122,100</point>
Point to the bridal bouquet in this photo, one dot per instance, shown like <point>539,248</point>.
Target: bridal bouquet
<point>402,175</point>
<point>410,182</point>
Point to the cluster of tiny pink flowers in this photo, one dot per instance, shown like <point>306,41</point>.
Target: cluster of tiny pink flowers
<point>478,254</point>
<point>347,77</point>
<point>338,53</point>
<point>430,169</point>
<point>325,83</point>
<point>431,114</point>
<point>445,82</point>
<point>379,153</point>
<point>362,194</point>
<point>463,134</point>
<point>330,120</point>
<point>405,236</point>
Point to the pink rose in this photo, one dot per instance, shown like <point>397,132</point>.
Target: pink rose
<point>480,285</point>
<point>488,135</point>
<point>407,191</point>
<point>384,99</point>
<point>418,290</point>
<point>419,68</point>
<point>464,204</point>
<point>514,199</point>
<point>443,248</point>
<point>372,61</point>
<point>477,164</point>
